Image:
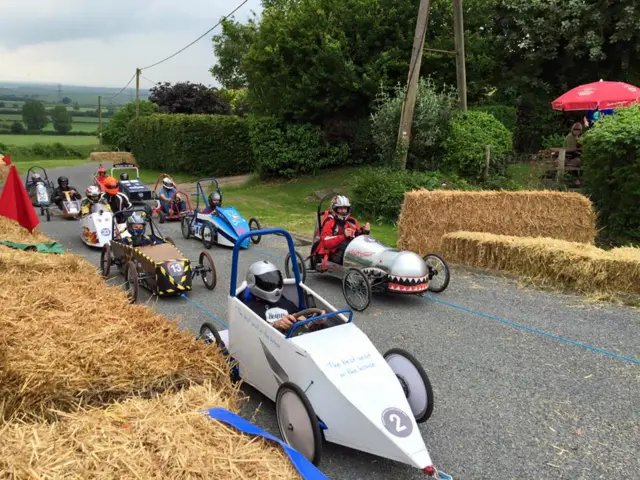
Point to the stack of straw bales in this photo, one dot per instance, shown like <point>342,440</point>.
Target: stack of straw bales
<point>427,216</point>
<point>581,267</point>
<point>71,346</point>
<point>4,171</point>
<point>112,157</point>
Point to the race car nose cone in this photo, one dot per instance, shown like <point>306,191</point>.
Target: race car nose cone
<point>408,265</point>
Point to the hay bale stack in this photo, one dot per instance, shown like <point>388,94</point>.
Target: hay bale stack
<point>12,231</point>
<point>161,438</point>
<point>112,157</point>
<point>581,267</point>
<point>428,215</point>
<point>4,170</point>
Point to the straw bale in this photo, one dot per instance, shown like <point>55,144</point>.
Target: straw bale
<point>112,157</point>
<point>164,437</point>
<point>4,170</point>
<point>428,215</point>
<point>11,230</point>
<point>581,267</point>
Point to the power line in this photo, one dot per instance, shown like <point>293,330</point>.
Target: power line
<point>123,88</point>
<point>148,80</point>
<point>197,39</point>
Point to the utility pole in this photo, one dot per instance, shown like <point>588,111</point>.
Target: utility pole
<point>137,92</point>
<point>406,119</point>
<point>100,119</point>
<point>461,74</point>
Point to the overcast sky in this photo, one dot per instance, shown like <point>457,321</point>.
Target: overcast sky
<point>85,42</point>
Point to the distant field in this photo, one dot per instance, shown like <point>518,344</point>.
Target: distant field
<point>26,140</point>
<point>18,116</point>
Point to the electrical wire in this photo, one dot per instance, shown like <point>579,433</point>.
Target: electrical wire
<point>149,80</point>
<point>123,89</point>
<point>197,39</point>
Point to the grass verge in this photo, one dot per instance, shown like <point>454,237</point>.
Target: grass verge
<point>24,165</point>
<point>28,140</point>
<point>292,204</point>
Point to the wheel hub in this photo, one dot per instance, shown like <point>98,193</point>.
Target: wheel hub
<point>404,385</point>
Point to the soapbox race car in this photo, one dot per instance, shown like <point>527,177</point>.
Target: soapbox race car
<point>70,207</point>
<point>162,269</point>
<point>222,227</point>
<point>368,265</point>
<point>328,380</point>
<point>136,191</point>
<point>176,199</point>
<point>96,227</point>
<point>40,191</point>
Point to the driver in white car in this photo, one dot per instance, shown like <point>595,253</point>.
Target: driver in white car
<point>265,283</point>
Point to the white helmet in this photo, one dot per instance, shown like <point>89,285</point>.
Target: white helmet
<point>338,202</point>
<point>167,182</point>
<point>93,193</point>
<point>265,281</point>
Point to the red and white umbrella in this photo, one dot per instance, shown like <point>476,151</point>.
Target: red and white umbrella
<point>597,95</point>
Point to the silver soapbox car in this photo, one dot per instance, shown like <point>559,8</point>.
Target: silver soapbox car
<point>367,265</point>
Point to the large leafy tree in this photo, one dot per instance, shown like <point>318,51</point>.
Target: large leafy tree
<point>189,98</point>
<point>314,59</point>
<point>62,120</point>
<point>230,47</point>
<point>34,115</point>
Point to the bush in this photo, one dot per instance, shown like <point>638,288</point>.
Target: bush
<point>507,115</point>
<point>45,151</point>
<point>552,141</point>
<point>17,127</point>
<point>465,146</point>
<point>288,150</point>
<point>116,132</point>
<point>213,145</point>
<point>536,120</point>
<point>611,166</point>
<point>357,135</point>
<point>432,114</point>
<point>379,192</point>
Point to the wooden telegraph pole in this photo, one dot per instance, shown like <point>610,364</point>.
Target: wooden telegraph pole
<point>100,119</point>
<point>406,118</point>
<point>461,74</point>
<point>137,92</point>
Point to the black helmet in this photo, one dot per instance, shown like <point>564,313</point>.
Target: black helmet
<point>124,176</point>
<point>63,181</point>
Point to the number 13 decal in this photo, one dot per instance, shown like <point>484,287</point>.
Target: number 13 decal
<point>175,268</point>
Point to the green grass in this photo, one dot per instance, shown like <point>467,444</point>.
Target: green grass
<point>528,175</point>
<point>27,140</point>
<point>24,166</point>
<point>288,204</point>
<point>150,176</point>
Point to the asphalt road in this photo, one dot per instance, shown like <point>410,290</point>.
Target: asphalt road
<point>511,401</point>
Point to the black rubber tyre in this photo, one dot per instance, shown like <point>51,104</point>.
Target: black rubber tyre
<point>305,436</point>
<point>288,267</point>
<point>254,224</point>
<point>209,334</point>
<point>445,272</point>
<point>206,261</point>
<point>185,226</point>
<point>399,359</point>
<point>355,275</point>
<point>161,216</point>
<point>41,212</point>
<point>132,285</point>
<point>48,212</point>
<point>207,231</point>
<point>105,260</point>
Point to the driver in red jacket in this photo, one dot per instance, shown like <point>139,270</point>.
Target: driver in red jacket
<point>338,229</point>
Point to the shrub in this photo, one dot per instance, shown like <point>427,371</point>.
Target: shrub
<point>379,192</point>
<point>17,127</point>
<point>199,144</point>
<point>45,151</point>
<point>507,115</point>
<point>116,132</point>
<point>357,135</point>
<point>552,141</point>
<point>433,111</point>
<point>465,145</point>
<point>287,150</point>
<point>611,163</point>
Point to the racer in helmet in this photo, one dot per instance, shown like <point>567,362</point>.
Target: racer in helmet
<point>63,186</point>
<point>137,226</point>
<point>124,176</point>
<point>93,196</point>
<point>169,198</point>
<point>264,296</point>
<point>338,229</point>
<point>33,180</point>
<point>215,200</point>
<point>102,175</point>
<point>117,201</point>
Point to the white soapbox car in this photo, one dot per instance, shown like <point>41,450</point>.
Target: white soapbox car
<point>96,227</point>
<point>329,382</point>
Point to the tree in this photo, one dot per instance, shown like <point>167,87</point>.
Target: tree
<point>62,120</point>
<point>76,106</point>
<point>115,132</point>
<point>2,105</point>
<point>17,127</point>
<point>187,97</point>
<point>313,59</point>
<point>34,115</point>
<point>230,48</point>
<point>66,101</point>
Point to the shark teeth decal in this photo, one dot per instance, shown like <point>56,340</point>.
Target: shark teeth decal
<point>408,281</point>
<point>396,287</point>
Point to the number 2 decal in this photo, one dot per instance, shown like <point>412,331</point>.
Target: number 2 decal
<point>398,421</point>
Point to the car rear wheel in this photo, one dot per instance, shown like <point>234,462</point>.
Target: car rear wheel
<point>185,225</point>
<point>254,224</point>
<point>288,267</point>
<point>161,216</point>
<point>297,422</point>
<point>439,275</point>
<point>414,382</point>
<point>209,334</point>
<point>356,289</point>
<point>207,236</point>
<point>132,286</point>
<point>207,270</point>
<point>48,212</point>
<point>105,260</point>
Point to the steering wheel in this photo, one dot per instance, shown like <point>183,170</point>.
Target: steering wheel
<point>314,312</point>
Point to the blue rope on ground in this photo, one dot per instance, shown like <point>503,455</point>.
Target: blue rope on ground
<point>206,312</point>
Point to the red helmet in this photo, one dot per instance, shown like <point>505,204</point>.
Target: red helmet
<point>101,171</point>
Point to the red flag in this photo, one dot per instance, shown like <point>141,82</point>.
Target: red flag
<point>15,202</point>
<point>7,160</point>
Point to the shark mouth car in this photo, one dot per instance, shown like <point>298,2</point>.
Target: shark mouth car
<point>369,265</point>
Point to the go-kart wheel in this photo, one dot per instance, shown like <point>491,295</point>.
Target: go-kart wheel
<point>209,334</point>
<point>297,422</point>
<point>105,260</point>
<point>161,216</point>
<point>185,225</point>
<point>356,289</point>
<point>254,224</point>
<point>208,235</point>
<point>207,270</point>
<point>41,211</point>
<point>48,214</point>
<point>131,285</point>
<point>414,382</point>
<point>288,267</point>
<point>170,240</point>
<point>438,271</point>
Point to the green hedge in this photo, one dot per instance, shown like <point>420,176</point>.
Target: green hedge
<point>507,115</point>
<point>215,145</point>
<point>45,151</point>
<point>611,165</point>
